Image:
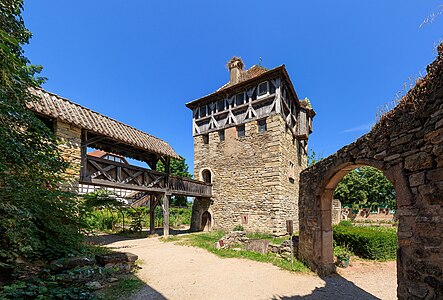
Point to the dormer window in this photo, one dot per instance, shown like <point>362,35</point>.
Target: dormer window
<point>240,99</point>
<point>263,89</point>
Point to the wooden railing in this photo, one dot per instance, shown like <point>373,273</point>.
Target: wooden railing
<point>103,172</point>
<point>189,187</point>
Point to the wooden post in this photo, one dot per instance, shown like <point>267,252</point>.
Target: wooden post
<point>165,215</point>
<point>152,205</point>
<point>166,199</point>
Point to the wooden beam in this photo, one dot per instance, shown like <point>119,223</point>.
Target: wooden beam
<point>126,186</point>
<point>91,141</point>
<point>152,205</point>
<point>165,215</point>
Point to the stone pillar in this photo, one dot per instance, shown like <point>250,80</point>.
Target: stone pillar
<point>336,211</point>
<point>70,147</point>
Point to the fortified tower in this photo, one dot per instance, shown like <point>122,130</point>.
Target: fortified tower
<point>250,142</point>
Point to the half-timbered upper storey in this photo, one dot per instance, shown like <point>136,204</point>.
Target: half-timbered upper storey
<point>252,94</point>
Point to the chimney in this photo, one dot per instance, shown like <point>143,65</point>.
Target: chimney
<point>235,66</point>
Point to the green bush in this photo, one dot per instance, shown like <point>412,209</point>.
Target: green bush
<point>346,223</point>
<point>97,215</point>
<point>238,228</point>
<point>180,216</point>
<point>177,216</point>
<point>375,243</point>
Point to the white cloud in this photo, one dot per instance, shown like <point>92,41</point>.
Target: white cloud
<point>364,127</point>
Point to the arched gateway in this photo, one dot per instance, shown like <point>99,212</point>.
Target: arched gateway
<point>407,145</point>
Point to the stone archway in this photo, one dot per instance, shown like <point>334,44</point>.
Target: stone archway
<point>323,260</point>
<point>206,224</point>
<point>407,145</point>
<point>206,175</point>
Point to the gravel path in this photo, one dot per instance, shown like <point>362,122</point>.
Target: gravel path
<point>179,272</point>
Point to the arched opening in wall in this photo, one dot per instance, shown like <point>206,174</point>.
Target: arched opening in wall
<point>366,225</point>
<point>207,176</point>
<point>206,221</point>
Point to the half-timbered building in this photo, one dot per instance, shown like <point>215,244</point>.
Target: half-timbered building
<point>79,128</point>
<point>250,143</point>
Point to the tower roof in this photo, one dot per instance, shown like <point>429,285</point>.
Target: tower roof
<point>240,78</point>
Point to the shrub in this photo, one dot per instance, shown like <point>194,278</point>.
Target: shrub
<point>238,228</point>
<point>177,216</point>
<point>346,223</point>
<point>368,242</point>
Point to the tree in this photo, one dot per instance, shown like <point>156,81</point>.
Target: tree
<point>313,158</point>
<point>36,219</point>
<point>365,185</point>
<point>177,167</point>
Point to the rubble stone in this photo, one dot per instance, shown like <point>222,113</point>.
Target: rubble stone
<point>407,146</point>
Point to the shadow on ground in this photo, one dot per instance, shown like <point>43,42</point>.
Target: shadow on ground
<point>146,292</point>
<point>106,238</point>
<point>336,287</point>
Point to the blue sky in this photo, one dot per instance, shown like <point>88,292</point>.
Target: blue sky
<point>140,61</point>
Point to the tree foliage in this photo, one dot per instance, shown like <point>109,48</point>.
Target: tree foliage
<point>36,220</point>
<point>313,158</point>
<point>365,185</point>
<point>177,167</point>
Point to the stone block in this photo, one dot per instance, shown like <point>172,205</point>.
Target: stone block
<point>419,161</point>
<point>70,263</point>
<point>435,174</point>
<point>417,179</point>
<point>115,257</point>
<point>257,245</point>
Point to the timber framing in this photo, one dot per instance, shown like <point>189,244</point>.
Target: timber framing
<point>221,109</point>
<point>103,172</point>
<point>101,132</point>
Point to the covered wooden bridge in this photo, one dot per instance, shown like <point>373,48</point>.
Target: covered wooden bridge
<point>79,128</point>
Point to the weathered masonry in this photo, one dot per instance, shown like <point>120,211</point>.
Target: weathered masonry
<point>79,128</point>
<point>407,145</point>
<point>250,142</point>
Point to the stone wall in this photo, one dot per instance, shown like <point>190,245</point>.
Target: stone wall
<point>407,145</point>
<point>336,211</point>
<point>250,177</point>
<point>70,143</point>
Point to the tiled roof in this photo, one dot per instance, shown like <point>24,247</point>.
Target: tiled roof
<point>252,72</point>
<point>246,76</point>
<point>60,108</point>
<point>97,153</point>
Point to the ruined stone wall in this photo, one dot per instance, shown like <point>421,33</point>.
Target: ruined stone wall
<point>407,145</point>
<point>70,143</point>
<point>250,179</point>
<point>336,211</point>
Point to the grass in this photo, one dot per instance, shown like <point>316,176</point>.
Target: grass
<point>269,237</point>
<point>90,249</point>
<point>121,289</point>
<point>207,241</point>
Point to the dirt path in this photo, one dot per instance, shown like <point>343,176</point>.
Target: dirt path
<point>178,272</point>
